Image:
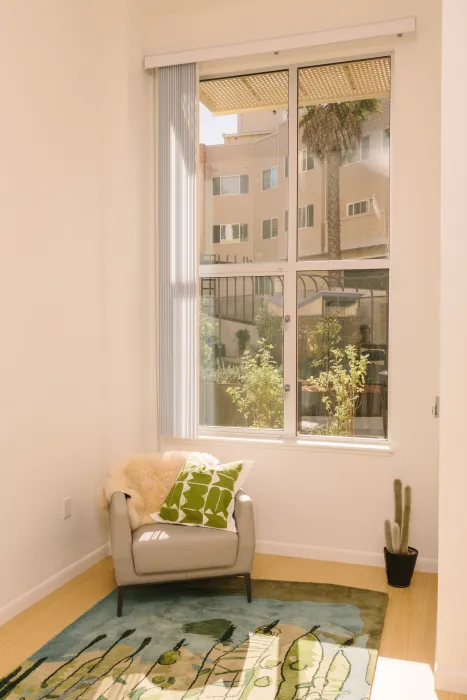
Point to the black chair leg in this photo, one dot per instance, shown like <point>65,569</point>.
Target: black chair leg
<point>119,601</point>
<point>247,578</point>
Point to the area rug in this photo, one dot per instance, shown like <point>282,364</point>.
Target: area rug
<point>295,641</point>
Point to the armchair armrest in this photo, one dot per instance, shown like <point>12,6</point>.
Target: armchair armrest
<point>121,538</point>
<point>244,518</point>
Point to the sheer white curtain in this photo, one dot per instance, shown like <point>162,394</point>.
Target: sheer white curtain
<point>177,111</point>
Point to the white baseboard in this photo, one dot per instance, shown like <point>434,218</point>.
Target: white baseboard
<point>345,556</point>
<point>51,584</point>
<point>450,680</point>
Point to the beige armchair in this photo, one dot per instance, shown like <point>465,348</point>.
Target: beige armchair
<point>161,553</point>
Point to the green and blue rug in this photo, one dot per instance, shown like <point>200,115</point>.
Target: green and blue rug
<point>295,641</point>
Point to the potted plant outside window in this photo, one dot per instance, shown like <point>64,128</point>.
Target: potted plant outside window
<point>400,559</point>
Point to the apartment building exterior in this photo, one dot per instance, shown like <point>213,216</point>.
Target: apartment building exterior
<point>245,207</point>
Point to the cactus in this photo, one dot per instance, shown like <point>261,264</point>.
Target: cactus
<point>397,534</point>
<point>398,502</point>
<point>396,538</point>
<point>406,520</point>
<point>388,535</point>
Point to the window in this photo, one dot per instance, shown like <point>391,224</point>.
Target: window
<point>270,178</point>
<point>359,153</point>
<point>241,353</point>
<point>243,162</point>
<point>229,232</point>
<point>363,207</point>
<point>305,216</point>
<point>230,184</point>
<point>306,316</point>
<point>342,340</point>
<point>305,160</point>
<point>269,228</point>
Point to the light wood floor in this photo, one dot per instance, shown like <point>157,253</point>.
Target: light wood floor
<point>405,664</point>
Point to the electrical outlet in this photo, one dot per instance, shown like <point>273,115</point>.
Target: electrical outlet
<point>66,508</point>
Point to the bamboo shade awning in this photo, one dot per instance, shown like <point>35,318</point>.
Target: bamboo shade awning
<point>338,82</point>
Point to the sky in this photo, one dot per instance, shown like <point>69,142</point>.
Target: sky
<point>212,128</point>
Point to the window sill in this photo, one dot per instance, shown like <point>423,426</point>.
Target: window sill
<point>373,447</point>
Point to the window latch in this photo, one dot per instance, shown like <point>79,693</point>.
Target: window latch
<point>286,387</point>
<point>287,320</point>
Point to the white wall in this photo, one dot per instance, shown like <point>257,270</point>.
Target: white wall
<point>451,659</point>
<point>333,503</point>
<point>73,281</point>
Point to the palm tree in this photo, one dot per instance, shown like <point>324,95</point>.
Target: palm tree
<point>332,131</point>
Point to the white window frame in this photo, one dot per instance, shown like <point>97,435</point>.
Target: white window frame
<point>351,205</point>
<point>288,269</point>
<point>270,237</point>
<point>303,161</point>
<point>269,170</point>
<point>233,240</point>
<point>230,194</point>
<point>358,153</point>
<point>305,208</point>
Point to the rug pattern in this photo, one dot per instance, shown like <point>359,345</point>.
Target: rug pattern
<point>295,641</point>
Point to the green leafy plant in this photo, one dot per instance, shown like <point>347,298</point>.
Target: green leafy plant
<point>341,378</point>
<point>397,533</point>
<point>269,327</point>
<point>242,337</point>
<point>222,374</point>
<point>259,396</point>
<point>341,387</point>
<point>207,333</point>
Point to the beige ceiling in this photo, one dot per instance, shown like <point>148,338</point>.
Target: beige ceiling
<point>338,82</point>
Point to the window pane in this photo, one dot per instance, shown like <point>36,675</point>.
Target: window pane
<point>274,177</point>
<point>267,228</point>
<point>230,185</point>
<point>349,162</point>
<point>244,156</point>
<point>241,352</point>
<point>343,352</point>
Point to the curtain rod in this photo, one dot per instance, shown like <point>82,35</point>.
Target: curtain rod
<point>297,41</point>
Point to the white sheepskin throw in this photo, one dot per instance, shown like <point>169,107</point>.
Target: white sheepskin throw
<point>147,480</point>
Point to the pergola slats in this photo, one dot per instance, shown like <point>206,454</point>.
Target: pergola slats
<point>338,82</point>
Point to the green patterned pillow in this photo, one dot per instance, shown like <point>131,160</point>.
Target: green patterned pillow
<point>204,495</point>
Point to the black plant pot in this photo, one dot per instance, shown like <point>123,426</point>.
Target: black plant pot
<point>400,567</point>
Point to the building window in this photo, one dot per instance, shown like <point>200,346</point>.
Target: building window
<point>269,228</point>
<point>359,153</point>
<point>230,184</point>
<point>305,216</point>
<point>286,166</point>
<point>270,178</point>
<point>305,160</point>
<point>356,208</point>
<point>286,220</point>
<point>229,232</point>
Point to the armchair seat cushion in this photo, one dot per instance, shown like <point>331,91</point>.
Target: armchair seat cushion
<point>164,548</point>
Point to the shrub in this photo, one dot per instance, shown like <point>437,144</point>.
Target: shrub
<point>259,397</point>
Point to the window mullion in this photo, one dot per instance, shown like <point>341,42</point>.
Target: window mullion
<point>290,294</point>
